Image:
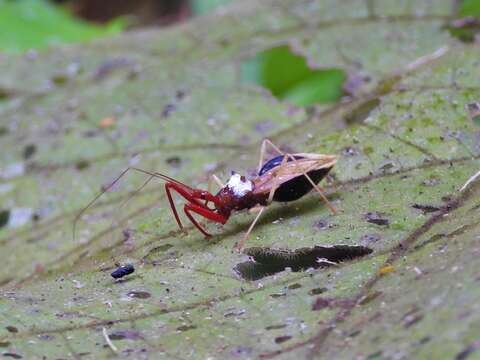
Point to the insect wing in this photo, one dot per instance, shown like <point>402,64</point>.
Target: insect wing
<point>273,172</point>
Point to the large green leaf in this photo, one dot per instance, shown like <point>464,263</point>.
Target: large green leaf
<point>406,143</point>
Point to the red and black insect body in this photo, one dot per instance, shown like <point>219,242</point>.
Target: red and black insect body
<point>284,178</point>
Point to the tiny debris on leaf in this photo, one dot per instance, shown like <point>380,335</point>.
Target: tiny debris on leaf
<point>376,218</point>
<point>386,269</point>
<point>426,208</point>
<point>123,271</point>
<point>107,122</point>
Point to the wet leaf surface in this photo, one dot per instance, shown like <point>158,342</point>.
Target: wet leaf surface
<point>404,137</point>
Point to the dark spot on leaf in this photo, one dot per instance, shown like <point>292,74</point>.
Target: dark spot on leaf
<point>387,165</point>
<point>139,294</point>
<point>82,164</point>
<point>123,271</point>
<point>174,161</point>
<point>362,111</point>
<point>60,79</point>
<point>224,42</point>
<point>3,130</point>
<point>465,353</point>
<point>326,302</point>
<point>264,127</point>
<point>168,110</point>
<point>370,238</point>
<point>275,296</point>
<point>11,329</point>
<point>5,344</point>
<point>350,151</point>
<point>354,333</point>
<point>317,291</point>
<point>426,208</point>
<point>323,224</point>
<point>270,261</point>
<point>411,319</point>
<point>180,94</point>
<point>6,93</point>
<point>46,337</point>
<point>125,334</point>
<point>275,327</point>
<point>474,112</point>
<point>424,340</point>
<point>241,351</point>
<point>12,355</point>
<point>282,339</point>
<point>294,286</point>
<point>186,327</point>
<point>376,218</point>
<point>234,313</point>
<point>4,217</point>
<point>29,151</point>
<point>109,66</point>
<point>91,133</point>
<point>431,182</point>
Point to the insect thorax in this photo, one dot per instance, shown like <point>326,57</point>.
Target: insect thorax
<point>238,195</point>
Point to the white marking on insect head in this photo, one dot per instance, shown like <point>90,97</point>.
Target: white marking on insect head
<point>239,185</point>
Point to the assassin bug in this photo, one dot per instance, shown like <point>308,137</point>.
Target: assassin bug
<point>284,178</point>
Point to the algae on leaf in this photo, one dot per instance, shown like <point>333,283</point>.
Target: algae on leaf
<point>406,142</point>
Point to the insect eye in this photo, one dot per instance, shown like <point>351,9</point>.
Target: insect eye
<point>202,196</point>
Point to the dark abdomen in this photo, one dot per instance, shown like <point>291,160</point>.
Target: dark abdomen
<point>297,187</point>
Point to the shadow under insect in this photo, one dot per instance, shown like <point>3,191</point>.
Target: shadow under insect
<point>266,261</point>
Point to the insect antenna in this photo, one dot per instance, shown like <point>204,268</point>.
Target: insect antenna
<point>112,184</point>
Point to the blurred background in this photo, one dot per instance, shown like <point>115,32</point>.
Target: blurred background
<point>37,24</point>
<point>26,24</point>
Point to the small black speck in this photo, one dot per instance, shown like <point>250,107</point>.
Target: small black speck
<point>168,110</point>
<point>4,217</point>
<point>139,294</point>
<point>12,355</point>
<point>11,329</point>
<point>123,271</point>
<point>82,164</point>
<point>294,286</point>
<point>376,218</point>
<point>29,151</point>
<point>282,339</point>
<point>174,161</point>
<point>317,291</point>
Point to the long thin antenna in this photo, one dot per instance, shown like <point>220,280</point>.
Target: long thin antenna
<point>151,174</point>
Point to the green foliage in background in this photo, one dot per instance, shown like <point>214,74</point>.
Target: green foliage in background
<point>470,8</point>
<point>288,77</point>
<point>35,24</point>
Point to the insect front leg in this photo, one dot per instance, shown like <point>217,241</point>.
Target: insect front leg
<point>206,213</point>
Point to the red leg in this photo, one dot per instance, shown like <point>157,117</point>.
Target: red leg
<point>206,213</point>
<point>183,192</point>
<point>195,205</point>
